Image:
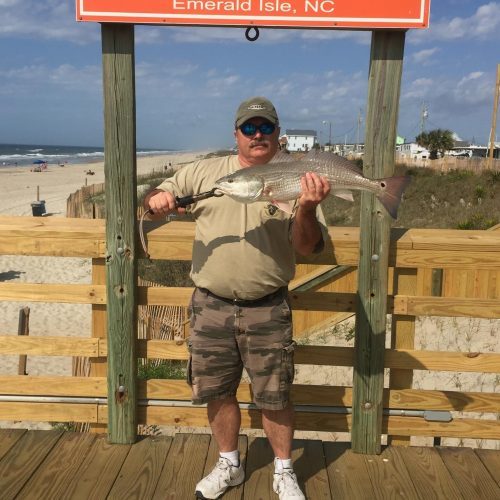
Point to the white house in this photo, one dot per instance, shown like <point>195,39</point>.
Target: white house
<point>300,140</point>
<point>412,150</point>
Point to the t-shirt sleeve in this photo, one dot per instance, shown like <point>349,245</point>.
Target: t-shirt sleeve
<point>181,183</point>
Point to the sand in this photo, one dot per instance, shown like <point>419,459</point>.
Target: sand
<point>18,189</point>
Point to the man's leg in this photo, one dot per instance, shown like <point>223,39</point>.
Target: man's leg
<point>225,420</point>
<point>224,417</point>
<point>278,426</point>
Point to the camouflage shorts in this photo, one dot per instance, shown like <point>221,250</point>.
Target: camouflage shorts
<point>225,338</point>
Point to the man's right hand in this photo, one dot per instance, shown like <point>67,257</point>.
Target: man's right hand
<point>161,203</point>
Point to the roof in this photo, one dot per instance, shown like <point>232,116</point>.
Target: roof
<point>291,131</point>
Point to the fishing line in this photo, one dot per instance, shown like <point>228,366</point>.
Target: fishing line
<point>182,202</point>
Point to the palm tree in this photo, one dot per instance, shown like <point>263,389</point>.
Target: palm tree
<point>436,141</point>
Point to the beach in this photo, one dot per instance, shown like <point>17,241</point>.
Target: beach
<point>18,189</point>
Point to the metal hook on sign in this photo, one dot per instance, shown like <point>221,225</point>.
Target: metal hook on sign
<point>252,38</point>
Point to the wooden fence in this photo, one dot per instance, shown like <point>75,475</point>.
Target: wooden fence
<point>79,203</point>
<point>448,163</point>
<point>414,254</point>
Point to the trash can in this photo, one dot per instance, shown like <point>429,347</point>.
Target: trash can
<point>38,208</point>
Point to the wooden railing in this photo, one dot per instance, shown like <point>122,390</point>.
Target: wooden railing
<point>413,255</point>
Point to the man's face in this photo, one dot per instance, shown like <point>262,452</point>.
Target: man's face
<point>257,148</point>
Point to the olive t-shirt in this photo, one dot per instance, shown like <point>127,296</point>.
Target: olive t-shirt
<point>240,250</point>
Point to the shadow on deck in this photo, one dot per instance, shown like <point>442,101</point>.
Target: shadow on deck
<point>56,465</point>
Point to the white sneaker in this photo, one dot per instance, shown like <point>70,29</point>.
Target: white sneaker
<point>223,475</point>
<point>286,486</point>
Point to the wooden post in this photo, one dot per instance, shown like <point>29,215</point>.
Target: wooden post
<point>23,328</point>
<point>402,337</point>
<point>98,366</point>
<point>494,120</point>
<point>121,225</point>
<point>386,62</point>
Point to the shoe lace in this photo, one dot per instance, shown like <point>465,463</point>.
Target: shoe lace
<point>288,481</point>
<point>221,471</point>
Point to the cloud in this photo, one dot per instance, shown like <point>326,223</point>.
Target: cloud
<point>47,20</point>
<point>42,79</point>
<point>424,56</point>
<point>452,103</point>
<point>484,24</point>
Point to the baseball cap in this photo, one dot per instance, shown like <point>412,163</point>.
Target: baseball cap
<point>256,107</point>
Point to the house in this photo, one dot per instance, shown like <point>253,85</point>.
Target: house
<point>412,151</point>
<point>300,140</point>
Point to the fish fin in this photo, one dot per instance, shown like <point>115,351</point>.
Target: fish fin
<point>344,194</point>
<point>286,206</point>
<point>330,157</point>
<point>283,157</point>
<point>393,190</point>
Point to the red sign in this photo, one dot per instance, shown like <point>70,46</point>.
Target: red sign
<point>355,14</point>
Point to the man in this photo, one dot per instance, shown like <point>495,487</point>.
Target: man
<point>243,260</point>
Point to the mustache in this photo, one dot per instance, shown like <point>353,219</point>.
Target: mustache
<point>259,142</point>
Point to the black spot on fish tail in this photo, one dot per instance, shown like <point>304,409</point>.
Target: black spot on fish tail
<point>393,188</point>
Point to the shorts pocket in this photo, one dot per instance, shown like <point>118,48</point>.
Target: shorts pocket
<point>287,364</point>
<point>189,372</point>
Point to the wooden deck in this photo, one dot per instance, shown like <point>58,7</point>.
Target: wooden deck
<point>65,465</point>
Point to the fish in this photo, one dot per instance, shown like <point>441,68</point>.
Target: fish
<point>278,181</point>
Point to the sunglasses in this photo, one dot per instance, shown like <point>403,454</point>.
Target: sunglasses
<point>250,129</point>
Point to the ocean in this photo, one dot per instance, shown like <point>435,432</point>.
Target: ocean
<point>27,154</point>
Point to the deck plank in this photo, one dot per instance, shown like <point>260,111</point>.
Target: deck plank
<point>142,469</point>
<point>428,472</point>
<point>183,467</point>
<point>51,478</point>
<point>235,493</point>
<point>260,470</point>
<point>309,465</point>
<point>60,466</point>
<point>471,476</point>
<point>389,476</point>
<point>17,466</point>
<point>99,470</point>
<point>9,437</point>
<point>347,473</point>
<point>491,460</point>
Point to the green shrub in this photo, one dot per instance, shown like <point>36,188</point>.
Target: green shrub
<point>477,221</point>
<point>480,191</point>
<point>166,272</point>
<point>166,369</point>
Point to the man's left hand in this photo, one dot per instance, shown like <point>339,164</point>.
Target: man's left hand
<point>314,190</point>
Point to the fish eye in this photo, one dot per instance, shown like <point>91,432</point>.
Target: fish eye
<point>230,180</point>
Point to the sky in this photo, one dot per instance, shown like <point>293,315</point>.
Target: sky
<point>190,80</point>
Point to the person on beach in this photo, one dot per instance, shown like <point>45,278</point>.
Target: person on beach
<point>240,317</point>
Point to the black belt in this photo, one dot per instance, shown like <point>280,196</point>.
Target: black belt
<point>280,292</point>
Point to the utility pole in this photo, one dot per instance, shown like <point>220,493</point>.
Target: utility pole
<point>358,130</point>
<point>424,113</point>
<point>494,120</point>
<point>330,133</point>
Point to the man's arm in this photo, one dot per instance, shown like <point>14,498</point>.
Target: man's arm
<point>161,203</point>
<point>306,230</point>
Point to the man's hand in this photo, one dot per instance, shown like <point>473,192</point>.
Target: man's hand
<point>161,203</point>
<point>306,231</point>
<point>314,190</point>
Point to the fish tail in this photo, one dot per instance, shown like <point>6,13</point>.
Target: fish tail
<point>392,190</point>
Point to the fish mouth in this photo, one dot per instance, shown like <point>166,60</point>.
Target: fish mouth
<point>223,189</point>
